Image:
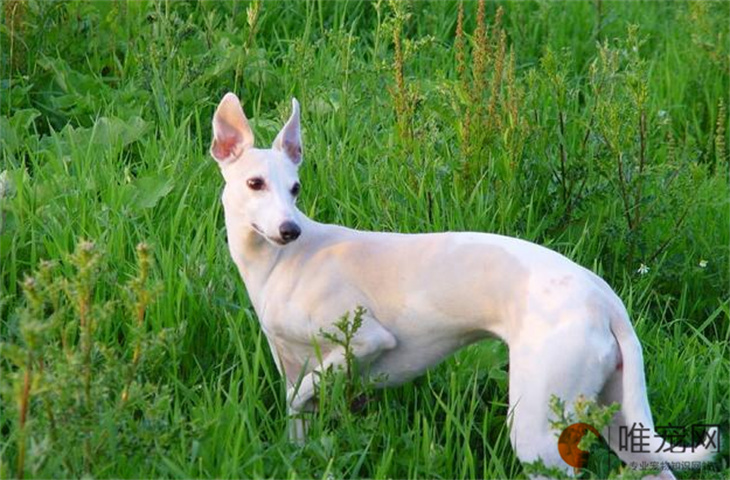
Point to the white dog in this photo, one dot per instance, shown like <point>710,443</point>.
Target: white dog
<point>425,296</point>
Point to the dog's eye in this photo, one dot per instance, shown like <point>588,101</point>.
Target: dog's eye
<point>256,183</point>
<point>295,189</point>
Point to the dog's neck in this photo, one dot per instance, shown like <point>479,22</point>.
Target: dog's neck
<point>256,257</point>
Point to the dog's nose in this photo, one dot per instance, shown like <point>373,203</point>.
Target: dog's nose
<point>289,231</point>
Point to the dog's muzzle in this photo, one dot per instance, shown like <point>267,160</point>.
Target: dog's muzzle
<point>289,231</point>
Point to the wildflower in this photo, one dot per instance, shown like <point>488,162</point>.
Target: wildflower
<point>643,269</point>
<point>703,263</point>
<point>662,113</point>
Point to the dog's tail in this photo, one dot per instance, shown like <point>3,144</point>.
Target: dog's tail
<point>632,435</point>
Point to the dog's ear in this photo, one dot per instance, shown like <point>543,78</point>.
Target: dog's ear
<point>231,132</point>
<point>289,139</point>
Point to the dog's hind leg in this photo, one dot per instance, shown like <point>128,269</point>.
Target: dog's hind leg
<point>567,362</point>
<point>613,392</point>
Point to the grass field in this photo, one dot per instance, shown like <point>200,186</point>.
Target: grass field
<point>598,129</point>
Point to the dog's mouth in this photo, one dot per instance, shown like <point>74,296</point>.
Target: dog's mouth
<point>273,240</point>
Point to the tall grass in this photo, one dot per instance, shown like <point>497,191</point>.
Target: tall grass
<point>598,129</point>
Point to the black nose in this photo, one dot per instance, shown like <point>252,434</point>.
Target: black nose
<point>289,231</point>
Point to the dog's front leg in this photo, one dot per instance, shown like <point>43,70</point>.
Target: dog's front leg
<point>365,348</point>
<point>298,426</point>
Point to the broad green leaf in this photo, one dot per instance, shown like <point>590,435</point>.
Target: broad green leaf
<point>16,130</point>
<point>150,190</point>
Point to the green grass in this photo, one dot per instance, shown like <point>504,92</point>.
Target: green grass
<point>105,113</point>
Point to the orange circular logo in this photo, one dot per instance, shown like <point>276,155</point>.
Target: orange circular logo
<point>568,444</point>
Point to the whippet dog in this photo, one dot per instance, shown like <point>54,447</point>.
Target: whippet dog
<point>425,296</point>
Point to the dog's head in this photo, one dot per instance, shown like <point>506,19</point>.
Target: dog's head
<point>262,184</point>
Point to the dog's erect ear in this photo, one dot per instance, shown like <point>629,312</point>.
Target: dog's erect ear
<point>289,139</point>
<point>231,131</point>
